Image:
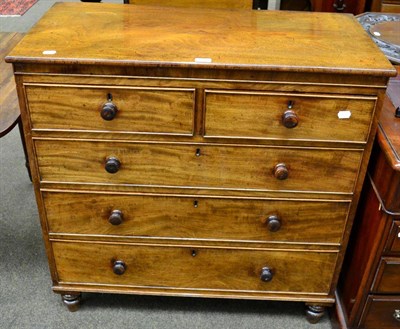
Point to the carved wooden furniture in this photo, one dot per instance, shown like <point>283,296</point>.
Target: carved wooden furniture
<point>9,109</point>
<point>370,282</point>
<point>197,152</point>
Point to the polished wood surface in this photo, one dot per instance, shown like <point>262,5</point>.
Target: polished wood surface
<point>259,115</point>
<point>194,267</point>
<point>340,6</point>
<point>175,217</point>
<point>388,133</point>
<point>150,110</point>
<point>381,313</point>
<point>220,4</point>
<point>387,277</point>
<point>394,241</point>
<point>229,216</point>
<point>369,286</point>
<point>256,40</point>
<point>201,166</point>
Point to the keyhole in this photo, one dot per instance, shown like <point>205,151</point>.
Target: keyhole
<point>290,105</point>
<point>109,97</point>
<point>198,152</point>
<point>194,253</point>
<point>196,203</point>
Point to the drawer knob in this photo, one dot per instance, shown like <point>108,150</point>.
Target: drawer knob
<point>396,315</point>
<point>273,223</point>
<point>266,274</point>
<point>109,111</point>
<point>119,267</point>
<point>281,172</point>
<point>115,217</point>
<point>112,165</point>
<point>290,119</point>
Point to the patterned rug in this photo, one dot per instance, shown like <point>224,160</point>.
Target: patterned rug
<point>15,7</point>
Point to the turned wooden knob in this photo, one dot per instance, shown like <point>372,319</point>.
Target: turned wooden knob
<point>115,217</point>
<point>112,165</point>
<point>281,172</point>
<point>273,223</point>
<point>119,267</point>
<point>266,274</point>
<point>290,119</point>
<point>109,111</point>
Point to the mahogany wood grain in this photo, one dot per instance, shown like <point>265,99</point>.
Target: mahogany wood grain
<point>387,276</point>
<point>244,39</point>
<point>221,4</point>
<point>195,218</point>
<point>259,115</point>
<point>393,246</point>
<point>216,167</point>
<point>148,48</point>
<point>140,109</point>
<point>201,268</point>
<point>349,6</point>
<point>379,312</point>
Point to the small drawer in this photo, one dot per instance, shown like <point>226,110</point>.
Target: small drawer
<point>387,278</point>
<point>159,266</point>
<point>381,312</point>
<point>263,115</point>
<point>393,245</point>
<point>111,109</point>
<point>184,217</point>
<point>198,166</point>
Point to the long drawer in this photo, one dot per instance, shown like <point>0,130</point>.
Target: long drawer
<point>195,218</point>
<point>208,166</point>
<point>194,267</point>
<point>263,115</point>
<point>139,110</point>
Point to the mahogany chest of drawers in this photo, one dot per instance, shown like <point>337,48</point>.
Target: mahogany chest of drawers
<point>205,153</point>
<point>370,281</point>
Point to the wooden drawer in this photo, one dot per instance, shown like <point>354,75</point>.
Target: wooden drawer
<point>195,218</point>
<point>393,245</point>
<point>140,110</point>
<point>381,312</point>
<point>259,115</point>
<point>194,267</point>
<point>387,279</point>
<point>233,167</point>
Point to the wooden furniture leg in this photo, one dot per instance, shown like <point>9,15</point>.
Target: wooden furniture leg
<point>72,301</point>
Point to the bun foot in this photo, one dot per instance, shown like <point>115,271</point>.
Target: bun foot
<point>72,301</point>
<point>314,313</point>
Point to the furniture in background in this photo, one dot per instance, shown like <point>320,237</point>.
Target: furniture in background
<point>369,289</point>
<point>197,152</point>
<point>370,282</point>
<point>227,4</point>
<point>9,107</point>
<point>342,6</point>
<point>388,6</point>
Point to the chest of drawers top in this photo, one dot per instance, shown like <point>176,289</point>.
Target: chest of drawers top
<point>113,34</point>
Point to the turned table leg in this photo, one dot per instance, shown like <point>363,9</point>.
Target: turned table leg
<point>314,313</point>
<point>72,301</point>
